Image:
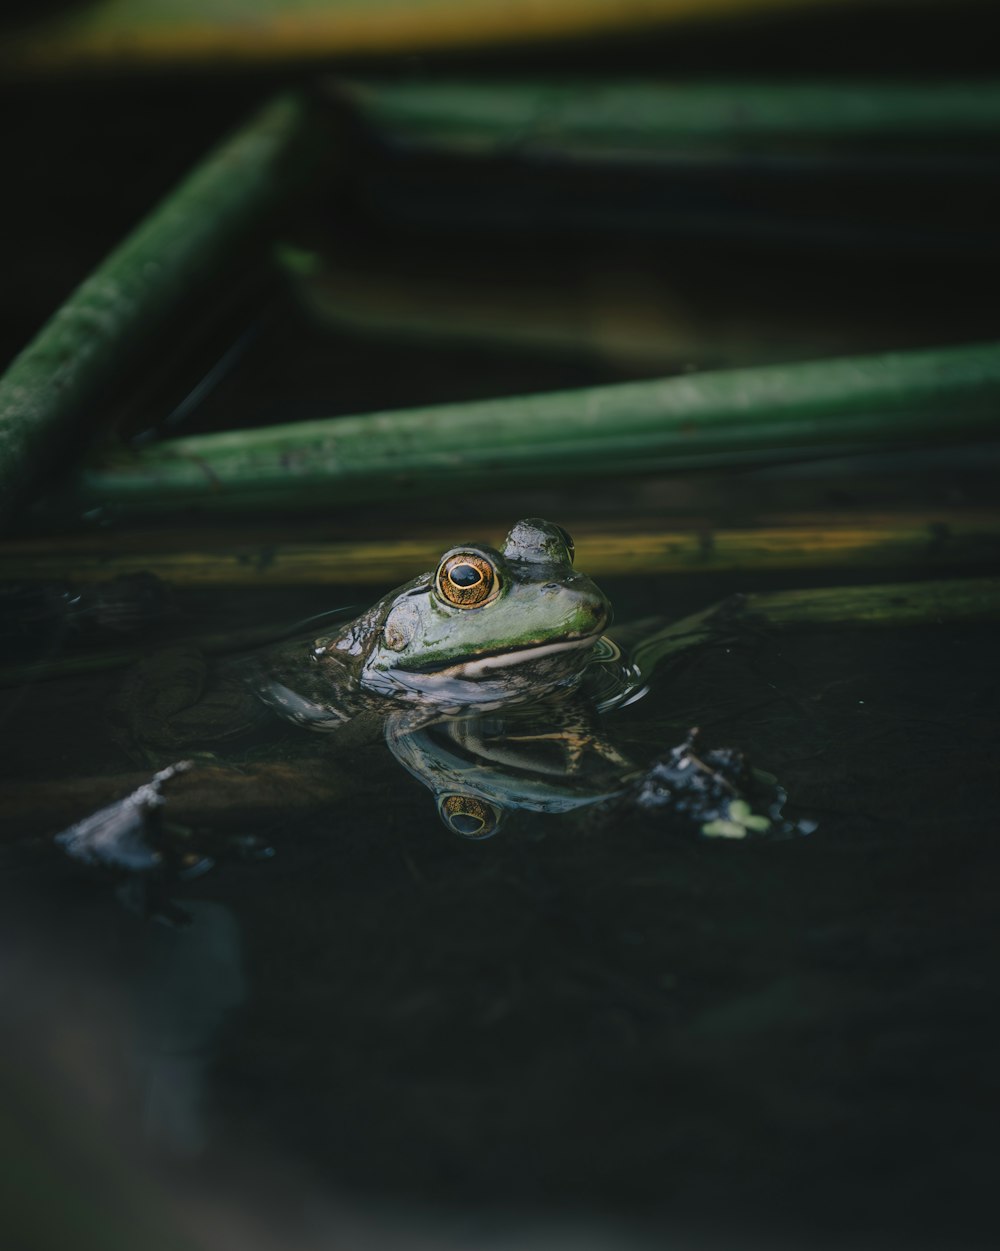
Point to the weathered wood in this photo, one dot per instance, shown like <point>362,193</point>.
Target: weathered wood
<point>216,793</point>
<point>720,419</point>
<point>945,538</point>
<point>113,33</point>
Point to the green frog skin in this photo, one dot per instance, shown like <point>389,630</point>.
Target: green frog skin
<point>485,629</point>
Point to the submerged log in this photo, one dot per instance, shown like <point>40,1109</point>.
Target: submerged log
<point>215,794</point>
<point>942,539</point>
<point>112,34</point>
<point>962,600</point>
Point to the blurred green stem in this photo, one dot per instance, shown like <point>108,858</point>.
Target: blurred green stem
<point>617,118</point>
<point>961,600</point>
<point>61,379</point>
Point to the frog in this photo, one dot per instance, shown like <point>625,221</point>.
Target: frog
<point>487,628</point>
<point>486,677</point>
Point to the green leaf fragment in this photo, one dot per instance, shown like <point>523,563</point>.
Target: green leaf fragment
<point>724,829</point>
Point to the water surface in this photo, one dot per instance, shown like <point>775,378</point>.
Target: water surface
<point>585,1016</point>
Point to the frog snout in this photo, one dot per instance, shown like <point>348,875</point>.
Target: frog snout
<point>595,604</point>
<point>582,601</point>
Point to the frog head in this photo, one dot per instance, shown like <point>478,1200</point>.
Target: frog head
<point>485,625</point>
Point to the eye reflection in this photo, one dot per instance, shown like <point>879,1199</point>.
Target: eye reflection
<point>468,816</point>
<point>465,575</point>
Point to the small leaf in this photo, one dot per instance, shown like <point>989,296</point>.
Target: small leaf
<point>724,829</point>
<point>754,822</point>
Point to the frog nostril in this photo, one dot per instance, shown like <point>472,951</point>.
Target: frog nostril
<point>550,586</point>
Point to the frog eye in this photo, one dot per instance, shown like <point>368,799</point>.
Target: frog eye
<point>568,540</point>
<point>467,580</point>
<point>469,816</point>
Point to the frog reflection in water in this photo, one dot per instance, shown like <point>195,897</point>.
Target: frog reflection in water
<point>486,631</point>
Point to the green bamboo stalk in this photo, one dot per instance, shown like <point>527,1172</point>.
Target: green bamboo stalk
<point>60,378</point>
<point>615,118</point>
<point>723,419</point>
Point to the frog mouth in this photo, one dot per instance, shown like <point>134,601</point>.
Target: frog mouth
<point>506,657</point>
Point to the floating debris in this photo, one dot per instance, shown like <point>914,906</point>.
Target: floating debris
<point>126,835</point>
<point>717,791</point>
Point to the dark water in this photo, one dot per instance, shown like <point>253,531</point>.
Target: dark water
<point>596,1028</point>
<point>385,1034</point>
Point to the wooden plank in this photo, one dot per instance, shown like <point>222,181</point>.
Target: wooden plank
<point>946,538</point>
<point>121,33</point>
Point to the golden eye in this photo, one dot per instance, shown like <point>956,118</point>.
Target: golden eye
<point>468,816</point>
<point>467,580</point>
